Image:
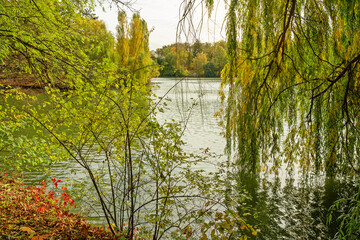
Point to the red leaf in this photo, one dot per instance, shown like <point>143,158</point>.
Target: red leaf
<point>41,209</point>
<point>43,183</point>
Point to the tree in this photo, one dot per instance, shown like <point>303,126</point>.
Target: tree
<point>38,36</point>
<point>122,44</point>
<point>298,71</point>
<point>177,59</point>
<point>173,59</point>
<point>49,43</point>
<point>169,62</point>
<point>220,59</point>
<point>209,70</point>
<point>197,47</point>
<point>132,49</point>
<point>198,63</point>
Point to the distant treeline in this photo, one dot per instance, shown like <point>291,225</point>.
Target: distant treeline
<point>195,60</point>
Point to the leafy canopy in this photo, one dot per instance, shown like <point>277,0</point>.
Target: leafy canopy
<point>293,84</point>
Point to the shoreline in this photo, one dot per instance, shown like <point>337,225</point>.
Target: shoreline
<point>31,212</point>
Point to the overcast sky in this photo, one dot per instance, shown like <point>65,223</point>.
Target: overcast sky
<point>163,16</point>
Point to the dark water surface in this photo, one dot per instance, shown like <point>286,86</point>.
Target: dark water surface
<point>286,207</point>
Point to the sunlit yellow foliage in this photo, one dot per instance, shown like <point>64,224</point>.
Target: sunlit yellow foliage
<point>132,49</point>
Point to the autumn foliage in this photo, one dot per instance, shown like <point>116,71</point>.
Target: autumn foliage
<point>32,212</point>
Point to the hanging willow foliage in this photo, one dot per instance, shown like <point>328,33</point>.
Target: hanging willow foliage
<point>293,82</point>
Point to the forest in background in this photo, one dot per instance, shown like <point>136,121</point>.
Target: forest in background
<point>193,60</point>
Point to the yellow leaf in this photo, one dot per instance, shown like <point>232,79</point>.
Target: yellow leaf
<point>28,230</point>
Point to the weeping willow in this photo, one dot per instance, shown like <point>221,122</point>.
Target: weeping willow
<point>293,84</point>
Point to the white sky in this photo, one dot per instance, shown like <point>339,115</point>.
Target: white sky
<point>163,16</point>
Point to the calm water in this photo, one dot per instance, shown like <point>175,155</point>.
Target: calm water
<point>287,207</point>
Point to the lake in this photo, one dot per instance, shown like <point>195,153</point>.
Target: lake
<point>286,206</point>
